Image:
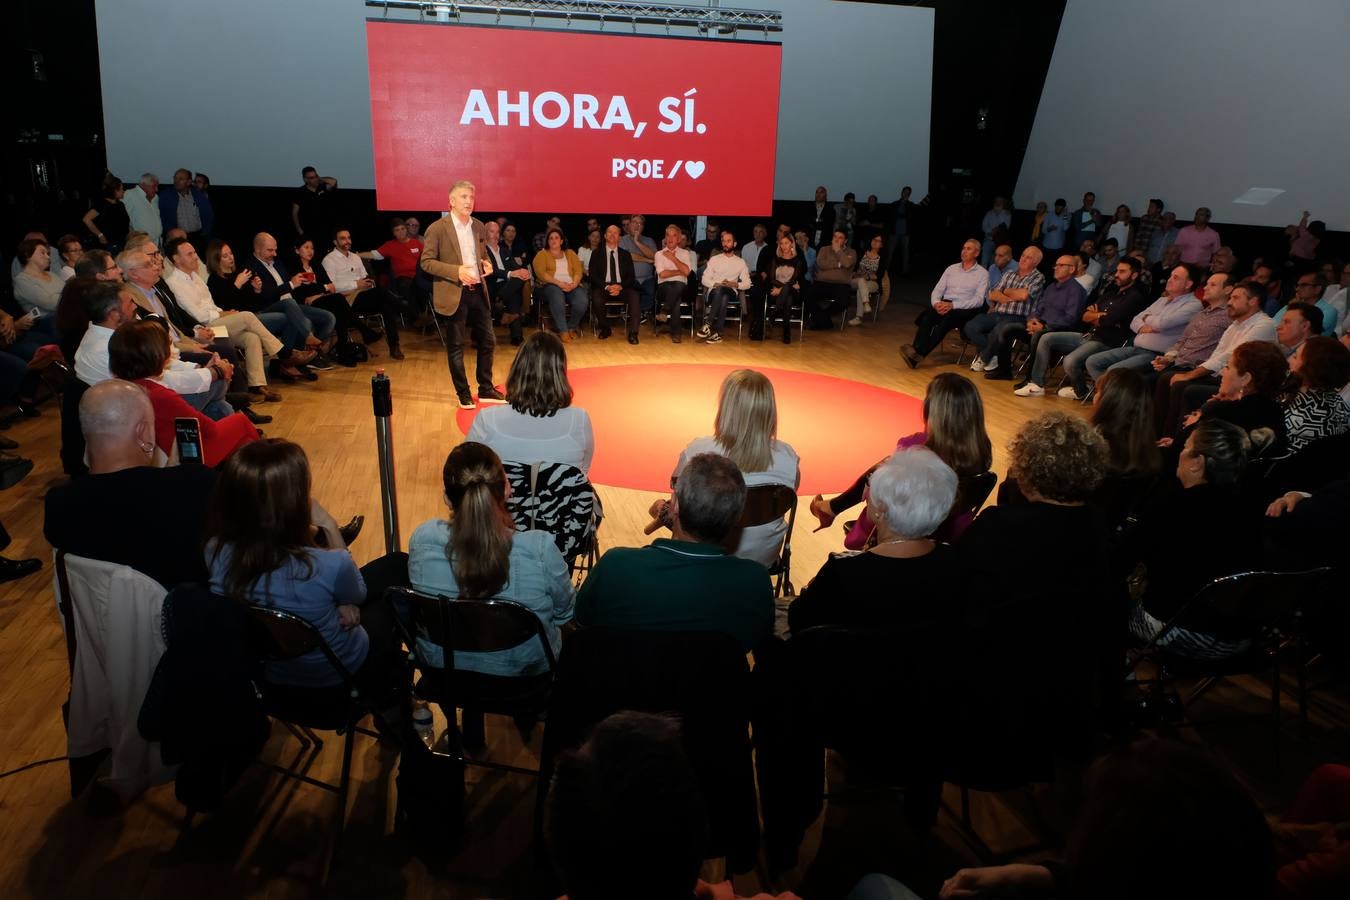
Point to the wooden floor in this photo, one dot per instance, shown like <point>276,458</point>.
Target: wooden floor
<point>265,845</point>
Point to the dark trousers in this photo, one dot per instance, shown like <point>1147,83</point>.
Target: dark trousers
<point>477,315</point>
<point>1009,335</point>
<point>1171,402</point>
<point>828,298</point>
<point>342,314</point>
<point>669,295</point>
<point>933,327</point>
<point>378,301</point>
<point>600,300</point>
<point>716,302</point>
<point>510,293</point>
<point>383,671</point>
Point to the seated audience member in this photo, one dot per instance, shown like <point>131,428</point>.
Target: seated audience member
<point>269,543</point>
<point>1002,264</point>
<point>1305,528</point>
<point>835,263</point>
<point>674,273</point>
<point>539,422</point>
<point>1104,263</point>
<point>1308,290</point>
<point>725,277</point>
<point>1160,326</point>
<point>404,253</point>
<point>1317,411</point>
<point>99,265</point>
<point>1188,536</point>
<point>626,814</point>
<point>23,358</point>
<point>807,251</point>
<point>642,250</point>
<point>240,289</point>
<point>784,275</point>
<point>139,352</point>
<point>308,327</point>
<point>318,290</point>
<point>867,278</point>
<point>72,319</point>
<point>1056,307</point>
<point>360,291</point>
<point>160,512</point>
<point>1159,819</point>
<point>509,278</point>
<point>1189,390</point>
<point>752,250</point>
<point>1302,322</point>
<point>243,330</point>
<point>953,423</point>
<point>746,432</point>
<point>1249,391</point>
<point>478,555</point>
<point>1059,622</point>
<point>70,251</point>
<point>686,582</point>
<point>909,497</point>
<point>558,272</point>
<point>1122,413</point>
<point>1337,296</point>
<point>111,306</point>
<point>1086,272</point>
<point>1106,316</point>
<point>592,243</point>
<point>612,281</point>
<point>36,289</point>
<point>957,298</point>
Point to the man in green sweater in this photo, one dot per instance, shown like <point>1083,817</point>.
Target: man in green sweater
<point>687,582</point>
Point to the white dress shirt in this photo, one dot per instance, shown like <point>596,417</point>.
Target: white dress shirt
<point>722,267</point>
<point>750,253</point>
<point>1256,327</point>
<point>468,247</point>
<point>345,269</point>
<point>665,269</point>
<point>963,288</point>
<point>143,212</point>
<point>91,365</point>
<point>193,295</point>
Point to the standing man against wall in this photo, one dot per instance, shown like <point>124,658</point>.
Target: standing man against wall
<point>456,259</point>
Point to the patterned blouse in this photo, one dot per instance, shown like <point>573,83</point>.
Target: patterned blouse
<point>1312,415</point>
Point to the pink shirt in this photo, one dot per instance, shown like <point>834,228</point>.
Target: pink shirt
<point>1197,246</point>
<point>1304,244</point>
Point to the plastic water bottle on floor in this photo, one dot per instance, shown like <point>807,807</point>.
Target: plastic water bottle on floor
<point>423,722</point>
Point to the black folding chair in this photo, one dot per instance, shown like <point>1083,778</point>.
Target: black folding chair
<point>278,636</point>
<point>474,626</point>
<point>1265,610</point>
<point>764,504</point>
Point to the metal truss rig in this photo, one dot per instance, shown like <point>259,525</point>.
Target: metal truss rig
<point>720,19</point>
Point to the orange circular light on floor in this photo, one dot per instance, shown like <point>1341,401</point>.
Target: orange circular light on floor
<point>644,415</point>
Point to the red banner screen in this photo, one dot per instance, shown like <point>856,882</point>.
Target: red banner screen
<point>560,121</point>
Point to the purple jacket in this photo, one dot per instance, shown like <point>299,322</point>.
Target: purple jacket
<point>1060,306</point>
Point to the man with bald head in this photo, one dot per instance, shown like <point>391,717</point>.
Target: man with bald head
<point>160,513</point>
<point>306,327</point>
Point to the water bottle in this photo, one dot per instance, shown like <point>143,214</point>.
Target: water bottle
<point>422,722</point>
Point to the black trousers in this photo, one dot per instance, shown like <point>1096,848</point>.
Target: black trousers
<point>933,327</point>
<point>1171,402</point>
<point>510,293</point>
<point>669,295</point>
<point>378,301</point>
<point>342,312</point>
<point>474,313</point>
<point>827,298</point>
<point>630,299</point>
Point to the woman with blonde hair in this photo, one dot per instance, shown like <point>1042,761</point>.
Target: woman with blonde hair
<point>746,432</point>
<point>539,422</point>
<point>953,417</point>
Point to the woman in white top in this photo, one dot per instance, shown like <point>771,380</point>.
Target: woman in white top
<point>745,431</point>
<point>539,424</point>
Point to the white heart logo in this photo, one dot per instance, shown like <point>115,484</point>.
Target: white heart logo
<point>694,167</point>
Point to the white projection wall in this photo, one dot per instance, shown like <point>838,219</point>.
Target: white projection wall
<point>249,91</point>
<point>1242,107</point>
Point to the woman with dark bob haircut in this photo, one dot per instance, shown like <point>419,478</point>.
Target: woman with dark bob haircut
<point>1249,390</point>
<point>139,352</point>
<point>1322,365</point>
<point>539,424</point>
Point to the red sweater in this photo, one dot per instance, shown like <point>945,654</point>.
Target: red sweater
<point>219,439</point>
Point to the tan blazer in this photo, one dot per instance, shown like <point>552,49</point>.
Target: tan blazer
<point>441,260</point>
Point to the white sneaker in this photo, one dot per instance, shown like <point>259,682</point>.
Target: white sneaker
<point>992,364</point>
<point>703,332</point>
<point>1068,393</point>
<point>1030,389</point>
<point>867,308</point>
<point>977,365</point>
<point>856,320</point>
<point>714,338</point>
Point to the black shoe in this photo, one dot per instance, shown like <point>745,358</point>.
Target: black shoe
<point>675,336</point>
<point>491,395</point>
<point>604,332</point>
<point>306,374</point>
<point>350,531</point>
<point>7,444</point>
<point>999,375</point>
<point>13,469</point>
<point>396,352</point>
<point>787,335</point>
<point>14,569</point>
<point>321,363</point>
<point>911,356</point>
<point>255,417</point>
<point>632,337</point>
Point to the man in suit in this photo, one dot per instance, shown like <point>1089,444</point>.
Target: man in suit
<point>611,276</point>
<point>304,327</point>
<point>456,258</point>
